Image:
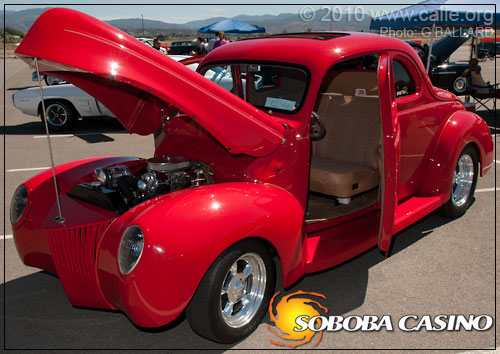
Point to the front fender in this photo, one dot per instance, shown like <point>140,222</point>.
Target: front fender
<point>30,231</point>
<point>184,233</point>
<point>461,129</point>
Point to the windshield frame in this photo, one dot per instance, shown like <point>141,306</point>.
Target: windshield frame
<point>202,69</point>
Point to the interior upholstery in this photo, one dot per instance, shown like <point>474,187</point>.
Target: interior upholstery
<point>346,82</point>
<point>346,161</point>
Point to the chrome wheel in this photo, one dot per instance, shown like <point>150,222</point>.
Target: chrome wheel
<point>463,178</point>
<point>243,290</point>
<point>57,116</point>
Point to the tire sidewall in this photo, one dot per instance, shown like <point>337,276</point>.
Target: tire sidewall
<point>70,120</point>
<point>222,332</point>
<point>450,209</point>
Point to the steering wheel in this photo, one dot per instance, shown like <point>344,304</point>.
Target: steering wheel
<point>317,130</point>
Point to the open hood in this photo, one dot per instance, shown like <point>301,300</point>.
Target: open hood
<point>139,84</point>
<point>446,46</point>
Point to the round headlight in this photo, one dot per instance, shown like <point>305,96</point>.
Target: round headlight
<point>19,201</point>
<point>130,249</point>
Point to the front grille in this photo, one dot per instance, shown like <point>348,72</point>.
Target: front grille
<point>74,254</point>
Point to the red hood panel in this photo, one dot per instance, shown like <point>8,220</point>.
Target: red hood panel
<point>136,82</point>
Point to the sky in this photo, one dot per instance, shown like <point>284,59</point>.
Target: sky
<point>165,10</point>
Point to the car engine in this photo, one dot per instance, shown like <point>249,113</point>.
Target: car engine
<point>116,189</point>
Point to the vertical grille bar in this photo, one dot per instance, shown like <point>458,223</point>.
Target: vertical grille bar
<point>73,251</point>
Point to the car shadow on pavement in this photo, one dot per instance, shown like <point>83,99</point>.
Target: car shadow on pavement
<point>81,127</point>
<point>39,315</point>
<point>490,118</point>
<point>345,285</point>
<point>20,88</point>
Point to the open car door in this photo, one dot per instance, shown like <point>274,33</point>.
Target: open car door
<point>390,148</point>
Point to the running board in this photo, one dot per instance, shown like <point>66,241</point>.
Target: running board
<point>413,210</point>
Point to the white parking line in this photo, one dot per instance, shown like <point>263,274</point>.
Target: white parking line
<point>6,237</point>
<point>53,136</point>
<point>487,190</point>
<point>74,135</point>
<point>28,169</point>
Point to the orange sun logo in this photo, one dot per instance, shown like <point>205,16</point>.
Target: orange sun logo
<point>287,310</point>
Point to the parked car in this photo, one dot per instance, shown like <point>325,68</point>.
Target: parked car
<point>443,73</point>
<point>338,142</point>
<point>182,47</point>
<point>149,42</point>
<point>65,103</point>
<point>489,47</point>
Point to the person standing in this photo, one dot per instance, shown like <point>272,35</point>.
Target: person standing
<point>212,41</point>
<point>200,47</point>
<point>156,44</point>
<point>222,39</point>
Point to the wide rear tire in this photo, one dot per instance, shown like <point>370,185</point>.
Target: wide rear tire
<point>61,115</point>
<point>463,184</point>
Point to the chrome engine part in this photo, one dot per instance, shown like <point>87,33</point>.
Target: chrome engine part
<point>117,189</point>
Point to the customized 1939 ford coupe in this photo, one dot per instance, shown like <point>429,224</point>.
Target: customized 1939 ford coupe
<point>316,148</point>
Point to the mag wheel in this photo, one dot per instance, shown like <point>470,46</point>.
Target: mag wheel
<point>233,297</point>
<point>463,183</point>
<point>60,115</point>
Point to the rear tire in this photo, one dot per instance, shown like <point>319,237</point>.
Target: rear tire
<point>463,184</point>
<point>60,115</point>
<point>234,294</point>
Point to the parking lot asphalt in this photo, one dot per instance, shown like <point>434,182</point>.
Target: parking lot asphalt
<point>437,266</point>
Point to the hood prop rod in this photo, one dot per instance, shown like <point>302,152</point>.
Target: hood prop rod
<point>58,219</point>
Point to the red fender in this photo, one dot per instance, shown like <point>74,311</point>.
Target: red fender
<point>461,129</point>
<point>31,240</point>
<point>184,233</point>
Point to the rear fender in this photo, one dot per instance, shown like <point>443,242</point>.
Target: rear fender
<point>184,234</point>
<point>461,129</point>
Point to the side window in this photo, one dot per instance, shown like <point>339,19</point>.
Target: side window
<point>403,82</point>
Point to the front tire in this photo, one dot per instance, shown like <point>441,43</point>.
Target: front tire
<point>60,115</point>
<point>463,184</point>
<point>234,294</point>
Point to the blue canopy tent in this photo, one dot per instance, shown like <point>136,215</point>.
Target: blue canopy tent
<point>232,26</point>
<point>440,12</point>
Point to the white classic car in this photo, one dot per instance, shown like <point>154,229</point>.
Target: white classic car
<point>65,103</point>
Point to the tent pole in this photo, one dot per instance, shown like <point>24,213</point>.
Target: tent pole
<point>430,46</point>
<point>476,47</point>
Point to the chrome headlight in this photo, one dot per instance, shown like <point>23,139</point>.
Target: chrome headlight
<point>19,201</point>
<point>130,249</point>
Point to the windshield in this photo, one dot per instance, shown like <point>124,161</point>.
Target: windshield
<point>266,86</point>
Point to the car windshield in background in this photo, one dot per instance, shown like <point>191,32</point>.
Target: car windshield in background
<point>268,87</point>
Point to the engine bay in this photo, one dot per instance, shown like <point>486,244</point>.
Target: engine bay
<point>117,189</point>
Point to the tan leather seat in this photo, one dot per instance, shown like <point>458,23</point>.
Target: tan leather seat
<point>346,162</point>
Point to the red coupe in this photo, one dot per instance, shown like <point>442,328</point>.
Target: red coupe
<point>304,149</point>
